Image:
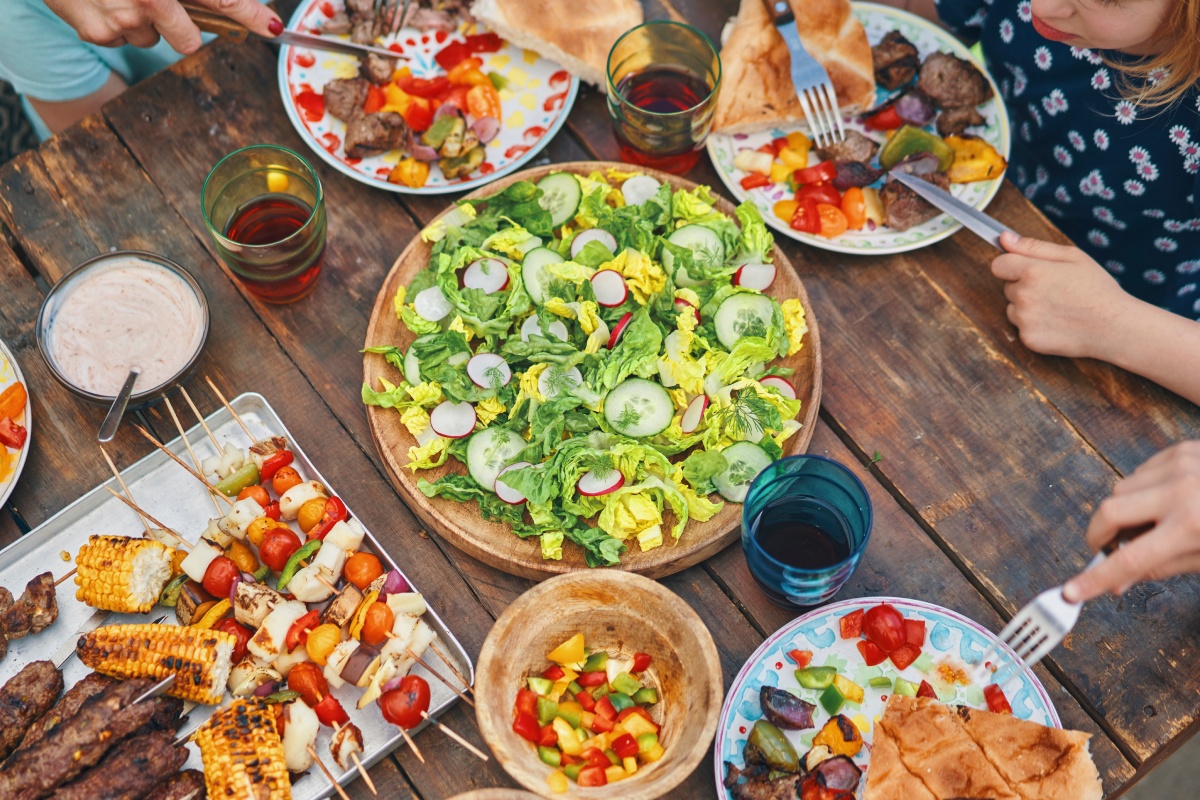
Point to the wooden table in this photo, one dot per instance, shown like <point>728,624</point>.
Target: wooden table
<point>983,460</point>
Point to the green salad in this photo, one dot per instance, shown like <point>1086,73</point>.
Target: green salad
<point>596,351</point>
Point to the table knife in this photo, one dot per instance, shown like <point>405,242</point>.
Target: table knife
<point>972,219</point>
<point>212,22</point>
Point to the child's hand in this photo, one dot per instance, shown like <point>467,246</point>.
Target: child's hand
<point>1166,491</point>
<point>1062,302</point>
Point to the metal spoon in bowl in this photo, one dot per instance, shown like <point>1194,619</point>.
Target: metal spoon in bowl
<point>108,428</point>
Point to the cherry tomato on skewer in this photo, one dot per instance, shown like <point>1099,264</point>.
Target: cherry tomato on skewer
<point>330,712</point>
<point>284,479</point>
<point>307,679</point>
<point>258,493</point>
<point>403,706</point>
<point>219,576</point>
<point>242,634</point>
<point>362,569</point>
<point>277,547</point>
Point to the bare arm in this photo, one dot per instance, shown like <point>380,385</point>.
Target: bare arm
<point>113,23</point>
<point>59,116</point>
<point>1157,345</point>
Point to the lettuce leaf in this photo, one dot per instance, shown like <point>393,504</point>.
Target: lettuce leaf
<point>461,488</point>
<point>756,244</point>
<point>636,353</point>
<point>701,467</point>
<point>519,202</point>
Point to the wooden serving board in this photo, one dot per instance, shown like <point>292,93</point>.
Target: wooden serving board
<point>495,544</point>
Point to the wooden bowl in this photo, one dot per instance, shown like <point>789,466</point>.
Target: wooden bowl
<point>494,543</point>
<point>624,614</point>
<point>497,794</point>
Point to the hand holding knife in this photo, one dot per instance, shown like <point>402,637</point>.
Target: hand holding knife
<point>210,21</point>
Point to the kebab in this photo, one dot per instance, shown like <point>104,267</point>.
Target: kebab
<point>25,697</point>
<point>33,612</point>
<point>132,769</point>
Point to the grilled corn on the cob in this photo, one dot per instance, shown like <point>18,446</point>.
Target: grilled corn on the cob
<point>117,573</point>
<point>243,753</point>
<point>199,659</point>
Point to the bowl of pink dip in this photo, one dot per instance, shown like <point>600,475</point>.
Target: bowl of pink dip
<point>119,310</point>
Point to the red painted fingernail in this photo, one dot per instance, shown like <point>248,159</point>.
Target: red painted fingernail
<point>276,27</point>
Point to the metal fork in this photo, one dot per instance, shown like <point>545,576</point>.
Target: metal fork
<point>1041,625</point>
<point>815,91</point>
<point>387,20</point>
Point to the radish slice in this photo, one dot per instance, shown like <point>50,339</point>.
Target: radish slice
<point>785,388</point>
<point>684,305</point>
<point>506,492</point>
<point>593,235</point>
<point>592,485</point>
<point>488,274</point>
<point>553,381</point>
<point>694,413</point>
<point>453,420</point>
<point>432,305</point>
<point>489,371</point>
<point>531,326</point>
<point>755,276</point>
<point>609,288</point>
<point>639,189</point>
<point>620,329</point>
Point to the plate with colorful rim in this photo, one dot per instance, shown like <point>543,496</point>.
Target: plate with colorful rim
<point>12,461</point>
<point>928,38</point>
<point>951,642</point>
<point>537,96</point>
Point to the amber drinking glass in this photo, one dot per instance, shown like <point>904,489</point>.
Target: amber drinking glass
<point>265,209</point>
<point>663,80</point>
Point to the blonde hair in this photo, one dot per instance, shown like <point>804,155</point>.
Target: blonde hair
<point>1164,79</point>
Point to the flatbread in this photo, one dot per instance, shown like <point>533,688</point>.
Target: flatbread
<point>887,778</point>
<point>757,92</point>
<point>576,33</point>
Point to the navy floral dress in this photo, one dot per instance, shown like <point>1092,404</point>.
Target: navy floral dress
<point>1121,182</point>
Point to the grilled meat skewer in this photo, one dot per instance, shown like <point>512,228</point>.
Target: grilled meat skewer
<point>186,785</point>
<point>6,601</point>
<point>25,698</point>
<point>66,708</point>
<point>36,609</point>
<point>129,771</point>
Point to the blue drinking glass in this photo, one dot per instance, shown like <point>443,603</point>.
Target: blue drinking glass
<point>786,501</point>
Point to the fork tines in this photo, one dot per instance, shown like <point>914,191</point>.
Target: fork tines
<point>824,117</point>
<point>390,15</point>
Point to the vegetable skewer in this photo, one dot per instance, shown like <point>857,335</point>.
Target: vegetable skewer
<point>188,445</point>
<point>150,438</point>
<point>121,482</point>
<point>436,674</point>
<point>237,418</point>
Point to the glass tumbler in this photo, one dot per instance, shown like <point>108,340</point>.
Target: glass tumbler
<point>806,521</point>
<point>663,80</point>
<point>265,210</point>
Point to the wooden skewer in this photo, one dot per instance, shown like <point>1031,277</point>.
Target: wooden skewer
<point>124,488</point>
<point>184,543</point>
<point>229,408</point>
<point>64,577</point>
<point>413,745</point>
<point>363,772</point>
<point>150,437</point>
<point>191,452</point>
<point>188,398</point>
<point>446,660</point>
<point>341,792</point>
<point>456,737</point>
<point>325,583</point>
<point>435,673</point>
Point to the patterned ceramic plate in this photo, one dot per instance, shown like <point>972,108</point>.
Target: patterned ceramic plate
<point>951,642</point>
<point>928,38</point>
<point>12,461</point>
<point>536,100</point>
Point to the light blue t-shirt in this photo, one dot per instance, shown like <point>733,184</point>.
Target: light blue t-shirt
<point>43,57</point>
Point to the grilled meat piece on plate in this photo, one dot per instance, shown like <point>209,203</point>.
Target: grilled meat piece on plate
<point>372,134</point>
<point>186,785</point>
<point>953,82</point>
<point>896,61</point>
<point>855,147</point>
<point>344,97</point>
<point>903,208</point>
<point>953,121</point>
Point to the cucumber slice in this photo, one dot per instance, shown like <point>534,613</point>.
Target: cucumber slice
<point>707,250</point>
<point>741,315</point>
<point>533,271</point>
<point>561,195</point>
<point>489,451</point>
<point>638,408</point>
<point>745,461</point>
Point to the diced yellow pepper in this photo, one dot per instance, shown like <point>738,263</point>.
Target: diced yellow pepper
<point>213,615</point>
<point>559,687</point>
<point>793,158</point>
<point>615,774</point>
<point>569,674</point>
<point>568,741</point>
<point>630,764</point>
<point>635,725</point>
<point>798,141</point>
<point>786,209</point>
<point>653,754</point>
<point>874,206</point>
<point>601,741</point>
<point>974,160</point>
<point>557,782</point>
<point>849,689</point>
<point>569,651</point>
<point>587,719</point>
<point>780,173</point>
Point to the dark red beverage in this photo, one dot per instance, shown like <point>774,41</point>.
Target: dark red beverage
<point>271,219</point>
<point>672,142</point>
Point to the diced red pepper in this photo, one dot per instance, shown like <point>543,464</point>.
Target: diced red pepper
<point>914,632</point>
<point>526,726</point>
<point>593,776</point>
<point>298,634</point>
<point>997,703</point>
<point>640,662</point>
<point>526,702</point>
<point>568,760</point>
<point>274,463</point>
<point>755,180</point>
<point>549,737</point>
<point>819,193</point>
<point>904,655</point>
<point>335,512</point>
<point>885,120</point>
<point>806,219</point>
<point>586,701</point>
<point>825,171</point>
<point>605,708</point>
<point>802,657</point>
<point>851,624</point>
<point>271,510</point>
<point>418,114</point>
<point>603,724</point>
<point>589,679</point>
<point>374,101</point>
<point>594,757</point>
<point>331,714</point>
<point>768,149</point>
<point>925,690</point>
<point>871,653</point>
<point>423,87</point>
<point>452,54</point>
<point>641,712</point>
<point>625,746</point>
<point>553,672</point>
<point>11,434</point>
<point>779,144</point>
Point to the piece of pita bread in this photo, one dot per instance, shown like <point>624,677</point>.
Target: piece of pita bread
<point>887,778</point>
<point>576,33</point>
<point>757,92</point>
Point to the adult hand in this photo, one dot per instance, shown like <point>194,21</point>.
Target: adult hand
<point>112,23</point>
<point>1164,491</point>
<point>1062,302</point>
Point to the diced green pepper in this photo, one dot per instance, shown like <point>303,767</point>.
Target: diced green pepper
<point>547,709</point>
<point>626,684</point>
<point>923,664</point>
<point>910,139</point>
<point>816,677</point>
<point>498,80</point>
<point>620,701</point>
<point>905,688</point>
<point>572,770</point>
<point>646,742</point>
<point>261,573</point>
<point>832,700</point>
<point>540,686</point>
<point>170,592</point>
<point>646,696</point>
<point>596,662</point>
<point>767,745</point>
<point>572,713</point>
<point>286,696</point>
<point>613,758</point>
<point>438,131</point>
<point>246,475</point>
<point>574,688</point>
<point>306,551</point>
<point>550,755</point>
<point>881,683</point>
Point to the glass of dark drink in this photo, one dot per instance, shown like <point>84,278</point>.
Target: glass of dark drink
<point>663,79</point>
<point>265,209</point>
<point>805,525</point>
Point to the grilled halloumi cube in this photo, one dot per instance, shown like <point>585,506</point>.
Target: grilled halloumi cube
<point>300,728</point>
<point>347,535</point>
<point>291,500</point>
<point>252,602</point>
<point>203,553</point>
<point>336,660</point>
<point>407,603</point>
<point>287,660</point>
<point>324,571</point>
<point>342,609</point>
<point>267,643</point>
<point>347,739</point>
<point>238,518</point>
